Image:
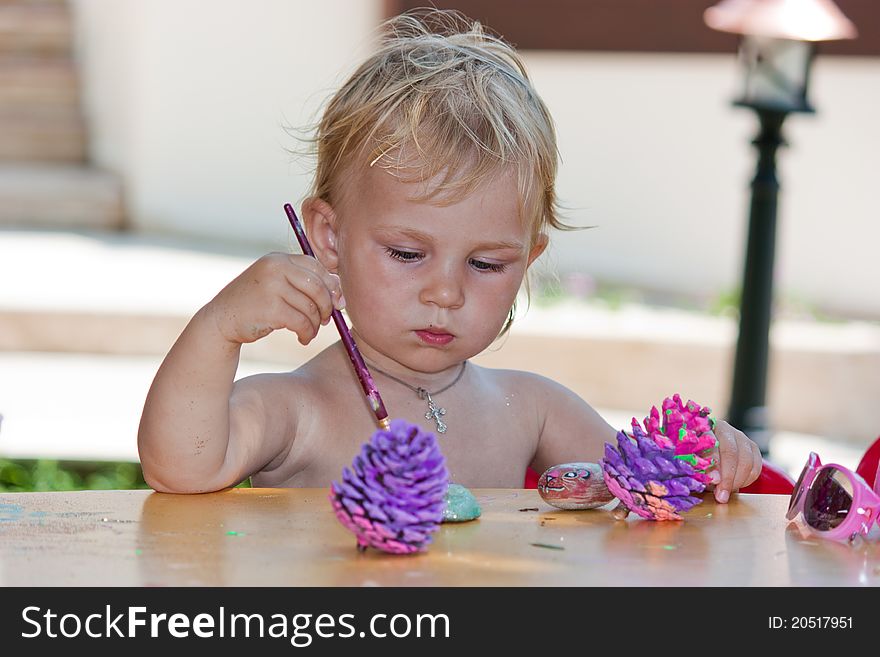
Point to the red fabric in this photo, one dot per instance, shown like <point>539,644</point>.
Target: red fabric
<point>868,465</point>
<point>531,479</point>
<point>773,480</point>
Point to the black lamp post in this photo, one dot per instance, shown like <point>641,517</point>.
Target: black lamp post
<point>777,48</point>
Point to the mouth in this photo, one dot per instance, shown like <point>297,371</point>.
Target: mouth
<point>434,337</point>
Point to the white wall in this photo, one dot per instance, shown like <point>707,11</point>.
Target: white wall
<point>189,106</point>
<point>188,100</point>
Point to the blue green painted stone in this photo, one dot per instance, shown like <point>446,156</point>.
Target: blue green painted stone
<point>461,505</point>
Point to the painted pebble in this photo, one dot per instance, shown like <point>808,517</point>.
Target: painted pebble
<point>574,486</point>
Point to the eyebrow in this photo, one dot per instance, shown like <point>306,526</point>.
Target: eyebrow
<point>425,237</point>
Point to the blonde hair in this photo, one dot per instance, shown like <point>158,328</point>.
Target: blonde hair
<point>443,98</point>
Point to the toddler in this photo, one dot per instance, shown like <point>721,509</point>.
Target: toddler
<point>434,193</point>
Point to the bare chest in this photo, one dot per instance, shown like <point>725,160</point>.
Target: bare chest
<point>488,441</point>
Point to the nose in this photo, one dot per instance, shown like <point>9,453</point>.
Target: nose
<point>443,288</point>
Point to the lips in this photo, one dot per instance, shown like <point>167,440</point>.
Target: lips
<point>434,337</point>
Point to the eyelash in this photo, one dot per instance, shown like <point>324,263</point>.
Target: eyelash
<point>412,256</point>
<point>487,266</point>
<point>403,256</point>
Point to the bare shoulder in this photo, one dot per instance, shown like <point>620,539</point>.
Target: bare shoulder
<point>267,389</point>
<point>540,388</point>
<point>288,394</point>
<point>268,411</point>
<point>570,429</point>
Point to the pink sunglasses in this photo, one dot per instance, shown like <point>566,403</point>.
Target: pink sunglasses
<point>834,501</point>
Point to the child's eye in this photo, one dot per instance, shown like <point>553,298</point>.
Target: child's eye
<point>403,256</point>
<point>482,265</point>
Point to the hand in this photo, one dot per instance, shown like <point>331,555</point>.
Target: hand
<point>739,461</point>
<point>278,291</point>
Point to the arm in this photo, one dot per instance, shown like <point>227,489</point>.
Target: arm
<point>571,429</point>
<point>200,432</point>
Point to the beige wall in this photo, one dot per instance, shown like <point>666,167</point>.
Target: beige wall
<point>656,157</point>
<point>189,106</point>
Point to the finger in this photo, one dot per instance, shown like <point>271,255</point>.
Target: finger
<point>309,284</point>
<point>295,319</point>
<point>330,281</point>
<point>745,461</point>
<point>714,475</point>
<point>300,301</point>
<point>314,265</point>
<point>279,295</point>
<point>336,292</point>
<point>757,462</point>
<point>727,456</point>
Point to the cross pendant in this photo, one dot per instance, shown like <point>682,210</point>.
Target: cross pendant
<point>434,413</point>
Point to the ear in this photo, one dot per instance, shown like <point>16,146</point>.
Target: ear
<point>319,219</point>
<point>540,244</point>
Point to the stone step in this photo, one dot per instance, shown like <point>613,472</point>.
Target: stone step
<point>59,196</point>
<point>35,29</point>
<point>123,293</point>
<point>32,2</point>
<point>42,136</point>
<point>597,368</point>
<point>38,85</point>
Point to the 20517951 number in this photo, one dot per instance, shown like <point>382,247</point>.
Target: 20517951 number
<point>821,622</point>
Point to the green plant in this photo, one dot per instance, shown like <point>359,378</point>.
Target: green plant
<point>547,292</point>
<point>36,475</point>
<point>726,303</point>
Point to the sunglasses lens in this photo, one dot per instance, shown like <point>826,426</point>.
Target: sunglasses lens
<point>797,492</point>
<point>829,499</point>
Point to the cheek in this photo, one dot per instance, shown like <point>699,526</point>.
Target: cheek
<point>371,289</point>
<point>489,307</point>
<point>502,291</point>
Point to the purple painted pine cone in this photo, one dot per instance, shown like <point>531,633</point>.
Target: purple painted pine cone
<point>654,472</point>
<point>393,496</point>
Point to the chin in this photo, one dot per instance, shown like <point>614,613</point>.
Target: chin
<point>430,360</point>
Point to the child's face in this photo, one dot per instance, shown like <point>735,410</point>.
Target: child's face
<point>429,285</point>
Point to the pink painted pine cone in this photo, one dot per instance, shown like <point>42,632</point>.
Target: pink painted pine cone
<point>654,471</point>
<point>393,496</point>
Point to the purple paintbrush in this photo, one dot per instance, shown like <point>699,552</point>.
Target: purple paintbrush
<point>357,361</point>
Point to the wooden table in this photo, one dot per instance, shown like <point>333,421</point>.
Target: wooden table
<point>290,537</point>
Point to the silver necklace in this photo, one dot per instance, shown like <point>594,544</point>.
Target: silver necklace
<point>434,412</point>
